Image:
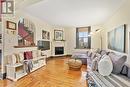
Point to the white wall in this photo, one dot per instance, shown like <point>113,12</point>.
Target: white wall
<point>0,33</point>
<point>122,16</point>
<point>71,39</point>
<point>11,40</point>
<point>0,27</point>
<point>96,36</point>
<point>0,46</point>
<point>59,43</point>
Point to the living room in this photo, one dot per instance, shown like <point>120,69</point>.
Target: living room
<point>48,32</point>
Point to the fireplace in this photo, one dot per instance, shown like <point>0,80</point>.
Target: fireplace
<point>59,50</point>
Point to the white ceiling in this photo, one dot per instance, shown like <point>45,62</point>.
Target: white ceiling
<point>76,13</point>
<point>20,4</point>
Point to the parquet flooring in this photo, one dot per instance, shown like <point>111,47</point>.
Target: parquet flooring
<point>54,74</point>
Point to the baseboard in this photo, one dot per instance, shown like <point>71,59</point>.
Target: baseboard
<point>68,55</point>
<point>48,58</point>
<point>60,56</point>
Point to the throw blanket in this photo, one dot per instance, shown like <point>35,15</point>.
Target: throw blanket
<point>110,81</point>
<point>125,71</point>
<point>28,65</point>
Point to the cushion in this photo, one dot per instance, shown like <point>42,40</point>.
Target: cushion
<point>89,62</point>
<point>17,58</point>
<point>39,53</point>
<point>98,50</point>
<point>103,56</point>
<point>124,70</point>
<point>28,55</point>
<point>21,56</point>
<point>105,66</point>
<point>118,62</point>
<point>103,52</point>
<point>89,54</point>
<point>128,70</point>
<point>93,55</point>
<point>94,65</point>
<point>98,55</point>
<point>13,59</point>
<point>34,53</point>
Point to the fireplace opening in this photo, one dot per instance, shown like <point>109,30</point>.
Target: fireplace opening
<point>59,50</point>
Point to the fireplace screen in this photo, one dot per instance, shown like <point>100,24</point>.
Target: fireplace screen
<point>59,50</point>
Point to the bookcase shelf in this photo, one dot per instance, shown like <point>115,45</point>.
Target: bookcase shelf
<point>17,71</point>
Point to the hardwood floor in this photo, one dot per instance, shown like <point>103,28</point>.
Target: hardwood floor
<point>54,74</point>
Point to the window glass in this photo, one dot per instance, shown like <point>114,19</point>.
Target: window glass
<point>83,40</point>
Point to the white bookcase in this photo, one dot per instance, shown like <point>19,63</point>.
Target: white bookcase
<point>17,71</point>
<point>37,63</point>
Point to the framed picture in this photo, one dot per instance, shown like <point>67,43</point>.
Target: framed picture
<point>48,36</point>
<point>11,25</point>
<point>116,39</point>
<point>58,35</point>
<point>44,36</point>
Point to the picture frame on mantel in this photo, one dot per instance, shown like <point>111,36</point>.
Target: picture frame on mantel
<point>45,35</point>
<point>11,25</point>
<point>58,35</point>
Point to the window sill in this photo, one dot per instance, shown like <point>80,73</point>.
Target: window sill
<point>82,48</point>
<point>59,40</point>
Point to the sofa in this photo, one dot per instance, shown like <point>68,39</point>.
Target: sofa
<point>118,72</point>
<point>81,56</point>
<point>84,55</point>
